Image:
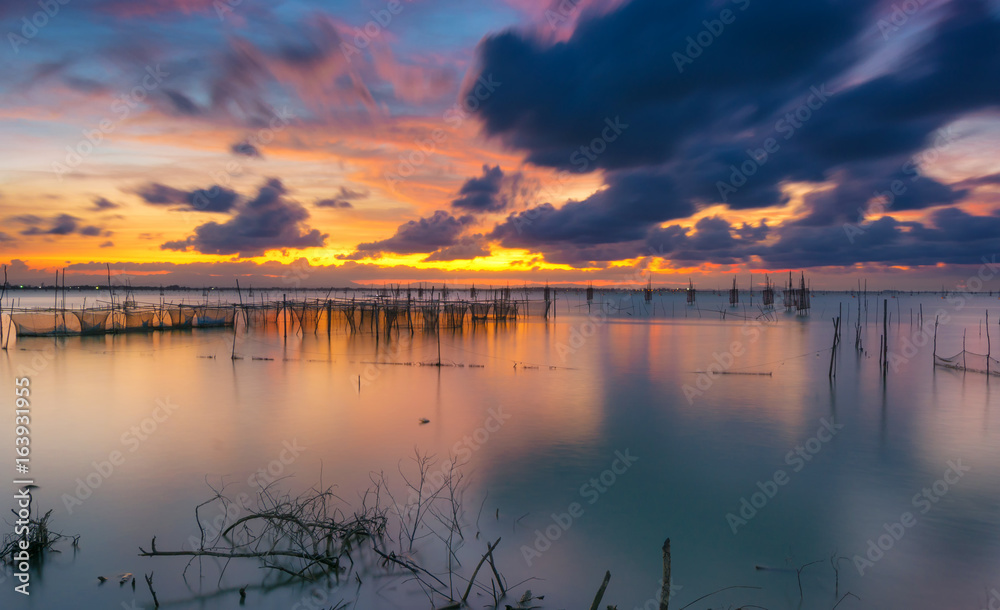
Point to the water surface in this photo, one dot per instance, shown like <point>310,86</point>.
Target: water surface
<point>574,395</point>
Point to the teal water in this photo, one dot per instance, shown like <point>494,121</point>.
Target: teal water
<point>585,393</point>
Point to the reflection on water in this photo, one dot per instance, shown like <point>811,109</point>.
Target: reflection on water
<point>575,394</point>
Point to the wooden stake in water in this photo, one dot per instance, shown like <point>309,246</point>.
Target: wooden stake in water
<point>935,338</point>
<point>3,293</point>
<point>665,587</point>
<point>885,333</point>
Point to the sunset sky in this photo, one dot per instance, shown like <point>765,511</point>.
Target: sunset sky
<point>321,143</point>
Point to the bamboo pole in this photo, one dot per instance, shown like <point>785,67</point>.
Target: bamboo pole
<point>935,338</point>
<point>3,293</point>
<point>665,587</point>
<point>600,592</point>
<point>885,333</point>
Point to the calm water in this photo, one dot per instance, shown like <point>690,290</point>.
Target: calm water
<point>582,393</point>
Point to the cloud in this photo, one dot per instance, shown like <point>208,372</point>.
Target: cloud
<point>215,199</point>
<point>666,132</point>
<point>108,244</point>
<point>25,219</point>
<point>421,236</point>
<point>332,203</point>
<point>101,204</point>
<point>180,103</point>
<point>626,210</point>
<point>342,199</point>
<point>491,192</point>
<point>156,8</point>
<point>245,149</point>
<point>467,247</point>
<point>269,221</point>
<point>62,224</point>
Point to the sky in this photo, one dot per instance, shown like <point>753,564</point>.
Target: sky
<point>313,143</point>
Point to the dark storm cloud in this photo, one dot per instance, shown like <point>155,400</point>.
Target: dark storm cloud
<point>553,99</point>
<point>422,236</point>
<point>269,221</point>
<point>701,115</point>
<point>484,193</point>
<point>624,211</point>
<point>214,199</point>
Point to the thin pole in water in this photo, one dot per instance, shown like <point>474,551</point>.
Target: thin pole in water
<point>3,293</point>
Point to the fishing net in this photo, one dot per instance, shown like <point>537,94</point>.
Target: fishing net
<point>480,311</point>
<point>139,320</point>
<point>216,316</point>
<point>92,321</point>
<point>38,324</point>
<point>261,315</point>
<point>970,361</point>
<point>182,316</point>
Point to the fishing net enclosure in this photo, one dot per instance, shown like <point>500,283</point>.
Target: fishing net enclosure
<point>970,361</point>
<point>182,316</point>
<point>216,316</point>
<point>139,320</point>
<point>41,323</point>
<point>92,321</point>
